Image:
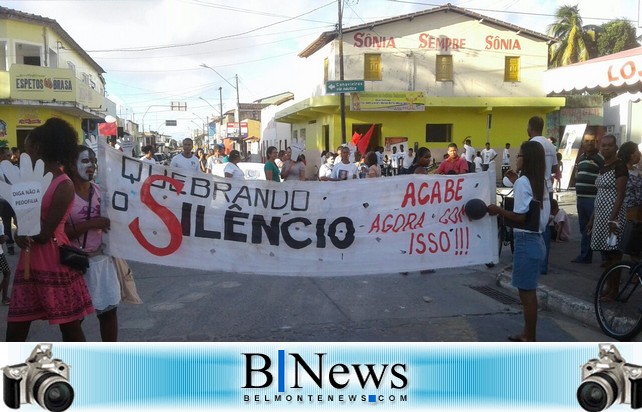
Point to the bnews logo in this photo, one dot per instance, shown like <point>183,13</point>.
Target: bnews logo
<point>294,372</point>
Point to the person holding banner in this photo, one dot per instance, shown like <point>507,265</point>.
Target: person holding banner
<point>185,159</point>
<point>292,169</point>
<point>453,164</point>
<point>271,169</point>
<point>84,227</point>
<point>345,170</point>
<point>529,242</point>
<point>231,168</point>
<point>48,290</point>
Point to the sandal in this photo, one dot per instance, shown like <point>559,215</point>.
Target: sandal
<point>516,338</point>
<point>6,301</point>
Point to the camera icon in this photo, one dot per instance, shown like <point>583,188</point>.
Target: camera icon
<point>608,380</point>
<point>41,379</point>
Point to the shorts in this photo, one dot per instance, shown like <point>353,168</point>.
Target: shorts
<point>527,259</point>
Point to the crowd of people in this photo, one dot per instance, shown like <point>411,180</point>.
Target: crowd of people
<point>608,186</point>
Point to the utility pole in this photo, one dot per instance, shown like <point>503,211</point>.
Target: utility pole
<point>343,95</point>
<point>220,130</point>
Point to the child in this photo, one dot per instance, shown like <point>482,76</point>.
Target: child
<point>561,230</point>
<point>4,267</point>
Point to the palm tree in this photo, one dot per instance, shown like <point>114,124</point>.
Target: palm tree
<point>571,47</point>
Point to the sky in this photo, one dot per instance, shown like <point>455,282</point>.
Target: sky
<point>152,50</point>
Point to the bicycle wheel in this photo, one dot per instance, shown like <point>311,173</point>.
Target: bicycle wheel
<point>618,301</point>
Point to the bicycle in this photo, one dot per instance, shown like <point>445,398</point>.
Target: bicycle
<point>504,232</point>
<point>618,300</point>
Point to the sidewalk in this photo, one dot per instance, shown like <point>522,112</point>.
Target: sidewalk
<point>569,287</point>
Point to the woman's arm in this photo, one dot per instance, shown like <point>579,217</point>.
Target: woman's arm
<point>77,229</point>
<point>620,188</point>
<point>62,198</point>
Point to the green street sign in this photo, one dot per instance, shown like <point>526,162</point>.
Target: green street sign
<point>344,86</point>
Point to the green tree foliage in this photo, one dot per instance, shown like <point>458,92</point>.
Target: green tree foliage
<point>616,36</point>
<point>572,45</point>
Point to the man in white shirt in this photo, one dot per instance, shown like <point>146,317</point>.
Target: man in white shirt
<point>534,130</point>
<point>214,159</point>
<point>394,161</point>
<point>488,155</point>
<point>408,160</point>
<point>148,155</point>
<point>185,159</point>
<point>506,155</point>
<point>345,169</point>
<point>469,154</point>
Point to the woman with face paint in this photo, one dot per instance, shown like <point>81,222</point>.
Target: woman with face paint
<point>49,290</point>
<point>84,228</point>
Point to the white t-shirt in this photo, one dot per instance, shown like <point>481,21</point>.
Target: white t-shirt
<point>394,160</point>
<point>506,157</point>
<point>566,230</point>
<point>213,160</point>
<point>523,194</point>
<point>487,155</point>
<point>380,159</point>
<point>342,171</point>
<point>478,164</point>
<point>407,161</point>
<point>325,171</point>
<point>550,157</point>
<point>234,170</point>
<point>181,162</point>
<point>148,160</point>
<point>469,152</point>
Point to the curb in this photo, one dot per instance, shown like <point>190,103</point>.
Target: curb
<point>553,300</point>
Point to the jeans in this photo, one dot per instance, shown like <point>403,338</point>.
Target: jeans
<point>585,206</point>
<point>547,244</point>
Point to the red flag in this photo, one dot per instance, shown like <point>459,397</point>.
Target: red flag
<point>107,129</point>
<point>365,140</point>
<point>355,138</point>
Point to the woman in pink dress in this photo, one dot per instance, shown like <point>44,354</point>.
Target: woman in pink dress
<point>52,291</point>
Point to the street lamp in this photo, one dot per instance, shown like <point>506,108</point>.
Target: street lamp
<point>238,104</point>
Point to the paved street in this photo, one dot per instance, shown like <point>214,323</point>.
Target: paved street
<point>190,305</point>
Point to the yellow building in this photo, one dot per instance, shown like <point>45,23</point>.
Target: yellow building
<point>425,79</point>
<point>44,73</point>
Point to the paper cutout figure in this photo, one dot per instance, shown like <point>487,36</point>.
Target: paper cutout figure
<point>297,149</point>
<point>92,143</point>
<point>24,188</point>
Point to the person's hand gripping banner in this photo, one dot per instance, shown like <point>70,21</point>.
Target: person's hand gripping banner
<point>23,187</point>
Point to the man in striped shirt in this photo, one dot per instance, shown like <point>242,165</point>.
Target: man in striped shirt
<point>587,168</point>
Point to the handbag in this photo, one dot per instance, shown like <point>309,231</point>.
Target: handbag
<point>128,291</point>
<point>74,258</point>
<point>532,216</point>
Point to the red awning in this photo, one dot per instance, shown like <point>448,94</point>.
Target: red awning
<point>616,73</point>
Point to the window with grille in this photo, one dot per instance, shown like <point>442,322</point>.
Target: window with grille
<point>439,132</point>
<point>511,69</point>
<point>444,70</point>
<point>372,67</point>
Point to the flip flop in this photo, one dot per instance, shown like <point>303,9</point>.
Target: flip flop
<point>6,301</point>
<point>516,338</point>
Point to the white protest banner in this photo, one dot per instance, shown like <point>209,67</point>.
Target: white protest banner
<point>24,188</point>
<point>251,170</point>
<point>175,218</point>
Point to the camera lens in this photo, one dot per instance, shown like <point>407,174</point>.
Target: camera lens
<point>53,392</point>
<point>597,392</point>
<point>592,397</point>
<point>58,396</point>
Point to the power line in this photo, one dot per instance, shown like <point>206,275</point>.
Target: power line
<point>171,46</point>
